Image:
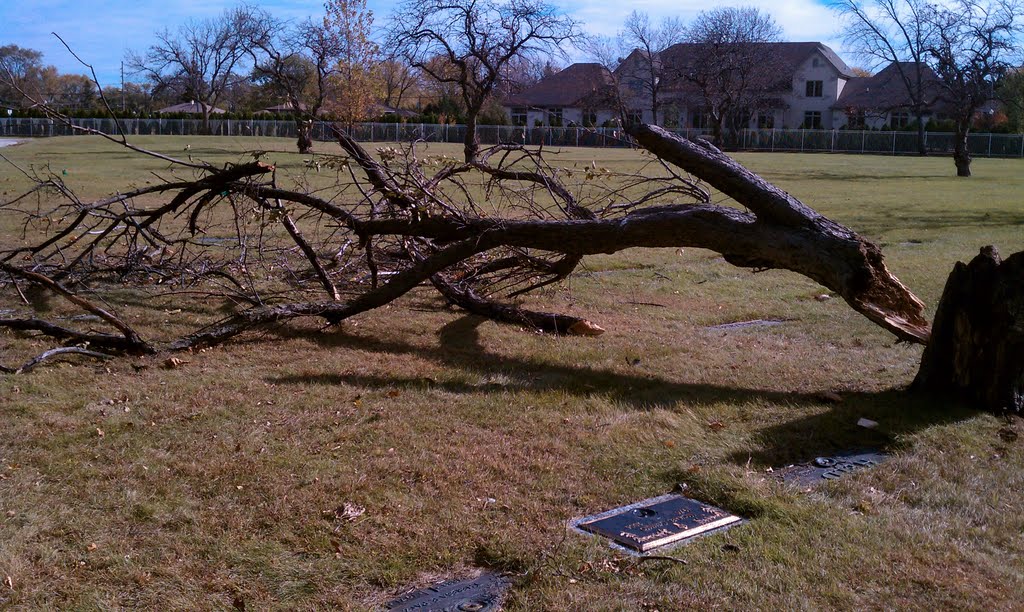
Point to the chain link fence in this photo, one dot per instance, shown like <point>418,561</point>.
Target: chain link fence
<point>818,141</point>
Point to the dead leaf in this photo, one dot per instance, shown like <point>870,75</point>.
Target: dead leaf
<point>716,425</point>
<point>92,546</point>
<point>585,328</point>
<point>824,297</point>
<point>394,393</point>
<point>99,432</point>
<point>9,582</point>
<point>173,362</point>
<point>670,444</point>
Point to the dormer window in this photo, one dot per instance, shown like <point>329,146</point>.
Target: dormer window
<point>814,89</point>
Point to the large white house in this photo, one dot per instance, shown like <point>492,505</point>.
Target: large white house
<point>813,88</point>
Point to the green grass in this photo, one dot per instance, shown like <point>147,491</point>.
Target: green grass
<point>220,479</point>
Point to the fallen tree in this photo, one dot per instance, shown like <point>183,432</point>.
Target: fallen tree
<point>394,227</point>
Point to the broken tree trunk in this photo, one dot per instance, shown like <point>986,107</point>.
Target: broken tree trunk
<point>977,347</point>
<point>804,241</point>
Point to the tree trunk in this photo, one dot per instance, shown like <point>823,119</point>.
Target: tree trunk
<point>922,148</point>
<point>976,351</point>
<point>304,127</point>
<point>716,129</point>
<point>471,145</point>
<point>961,152</point>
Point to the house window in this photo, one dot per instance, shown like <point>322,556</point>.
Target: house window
<point>555,117</point>
<point>589,118</point>
<point>814,89</point>
<point>518,116</point>
<point>699,120</point>
<point>765,121</point>
<point>812,120</point>
<point>900,120</point>
<point>815,62</point>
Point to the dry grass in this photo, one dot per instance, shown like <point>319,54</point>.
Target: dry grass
<point>128,485</point>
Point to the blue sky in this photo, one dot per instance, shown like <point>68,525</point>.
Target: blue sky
<point>101,32</point>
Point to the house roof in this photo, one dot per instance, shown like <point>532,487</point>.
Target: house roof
<point>287,107</point>
<point>194,108</point>
<point>885,90</point>
<point>788,56</point>
<point>567,87</point>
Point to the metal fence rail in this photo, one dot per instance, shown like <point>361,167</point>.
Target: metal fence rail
<point>834,141</point>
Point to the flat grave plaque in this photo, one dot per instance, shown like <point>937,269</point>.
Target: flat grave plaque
<point>656,522</point>
<point>481,594</point>
<point>823,469</point>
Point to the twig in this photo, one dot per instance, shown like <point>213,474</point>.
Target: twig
<point>631,302</point>
<point>65,350</point>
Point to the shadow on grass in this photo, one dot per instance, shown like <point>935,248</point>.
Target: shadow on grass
<point>460,348</point>
<point>791,441</point>
<point>897,413</point>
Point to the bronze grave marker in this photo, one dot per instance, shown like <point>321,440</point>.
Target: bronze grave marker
<point>656,522</point>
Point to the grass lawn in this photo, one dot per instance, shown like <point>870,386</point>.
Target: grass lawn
<point>470,444</point>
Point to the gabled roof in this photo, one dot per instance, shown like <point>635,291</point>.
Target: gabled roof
<point>787,56</point>
<point>886,90</point>
<point>194,108</point>
<point>568,87</point>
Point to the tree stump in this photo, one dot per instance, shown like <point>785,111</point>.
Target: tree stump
<point>976,351</point>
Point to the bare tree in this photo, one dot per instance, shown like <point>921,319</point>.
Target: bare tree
<point>398,79</point>
<point>475,39</point>
<point>895,33</point>
<point>201,59</point>
<point>728,67</point>
<point>299,63</point>
<point>643,71</point>
<point>973,46</point>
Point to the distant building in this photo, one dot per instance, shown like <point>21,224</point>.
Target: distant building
<point>882,100</point>
<point>285,109</point>
<point>578,95</point>
<point>815,89</point>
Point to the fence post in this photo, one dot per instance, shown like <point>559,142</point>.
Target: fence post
<point>894,143</point>
<point>990,144</point>
<point>832,149</point>
<point>773,140</point>
<point>863,138</point>
<point>802,132</point>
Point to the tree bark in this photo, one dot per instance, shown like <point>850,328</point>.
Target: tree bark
<point>976,351</point>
